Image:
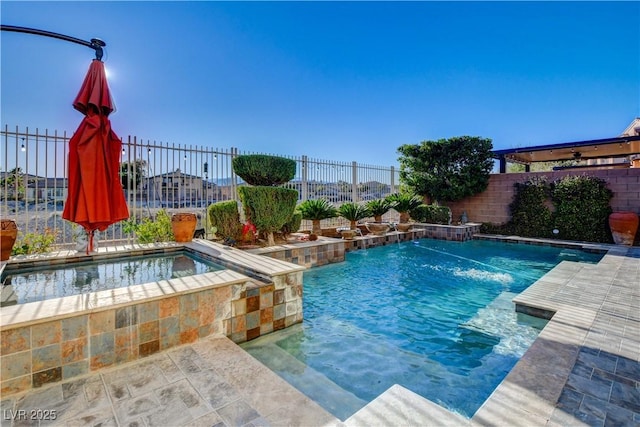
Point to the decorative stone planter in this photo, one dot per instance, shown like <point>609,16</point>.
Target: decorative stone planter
<point>624,226</point>
<point>348,234</point>
<point>404,226</point>
<point>8,235</point>
<point>378,228</point>
<point>183,225</point>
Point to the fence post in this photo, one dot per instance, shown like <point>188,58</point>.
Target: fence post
<point>393,181</point>
<point>234,177</point>
<point>304,177</point>
<point>354,182</point>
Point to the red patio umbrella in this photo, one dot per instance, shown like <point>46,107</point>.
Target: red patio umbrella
<point>95,198</point>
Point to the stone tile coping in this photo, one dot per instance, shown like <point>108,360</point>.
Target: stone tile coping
<point>52,309</point>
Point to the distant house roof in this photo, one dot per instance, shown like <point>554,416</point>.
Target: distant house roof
<point>624,145</point>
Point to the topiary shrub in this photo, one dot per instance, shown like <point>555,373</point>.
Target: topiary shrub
<point>431,214</point>
<point>225,217</point>
<point>582,208</point>
<point>292,225</point>
<point>530,217</point>
<point>261,169</point>
<point>268,208</point>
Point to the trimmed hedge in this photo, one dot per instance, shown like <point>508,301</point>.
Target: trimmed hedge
<point>268,208</point>
<point>293,224</point>
<point>431,214</point>
<point>264,170</point>
<point>225,217</point>
<point>530,216</point>
<point>580,210</point>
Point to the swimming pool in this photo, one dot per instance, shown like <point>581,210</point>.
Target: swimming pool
<point>433,316</point>
<point>47,282</point>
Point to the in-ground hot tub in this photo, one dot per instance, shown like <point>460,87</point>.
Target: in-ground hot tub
<point>59,338</point>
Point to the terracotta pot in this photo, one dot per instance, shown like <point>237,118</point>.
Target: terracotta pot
<point>183,225</point>
<point>624,226</point>
<point>9,233</point>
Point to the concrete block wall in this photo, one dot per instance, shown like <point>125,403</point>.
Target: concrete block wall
<point>493,204</point>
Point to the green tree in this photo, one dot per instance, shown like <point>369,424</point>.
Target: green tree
<point>14,181</point>
<point>447,169</point>
<point>131,173</point>
<point>317,210</point>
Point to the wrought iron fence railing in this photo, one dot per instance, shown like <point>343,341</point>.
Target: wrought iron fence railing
<point>159,175</point>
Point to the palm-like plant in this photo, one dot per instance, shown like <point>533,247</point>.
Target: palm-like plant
<point>353,212</point>
<point>378,207</point>
<point>317,210</point>
<point>403,203</point>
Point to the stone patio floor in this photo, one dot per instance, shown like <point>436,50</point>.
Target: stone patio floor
<point>584,369</point>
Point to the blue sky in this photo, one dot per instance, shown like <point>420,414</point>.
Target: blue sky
<point>332,80</point>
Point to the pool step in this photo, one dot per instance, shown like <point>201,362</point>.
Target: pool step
<point>315,385</point>
<point>516,331</point>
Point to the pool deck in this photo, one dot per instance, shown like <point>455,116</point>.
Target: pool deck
<point>584,369</point>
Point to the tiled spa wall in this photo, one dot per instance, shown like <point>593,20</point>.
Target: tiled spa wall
<point>58,349</point>
<point>326,251</point>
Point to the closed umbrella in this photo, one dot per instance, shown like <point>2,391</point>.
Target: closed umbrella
<point>95,198</point>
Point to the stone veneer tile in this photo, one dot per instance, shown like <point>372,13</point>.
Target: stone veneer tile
<point>149,331</point>
<point>102,321</point>
<point>252,320</point>
<point>126,344</point>
<point>74,327</point>
<point>46,334</point>
<point>238,307</point>
<point>74,350</point>
<point>149,348</point>
<point>238,324</point>
<point>75,369</point>
<point>15,340</point>
<point>278,296</point>
<point>102,350</point>
<point>266,299</point>
<point>266,315</point>
<point>148,311</point>
<point>253,303</point>
<point>189,335</point>
<point>253,333</point>
<point>45,377</point>
<point>278,324</point>
<point>266,328</point>
<point>15,365</point>
<point>279,312</point>
<point>45,357</point>
<point>126,316</point>
<point>169,307</point>
<point>16,385</point>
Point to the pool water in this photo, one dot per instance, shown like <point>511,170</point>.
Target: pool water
<point>433,316</point>
<point>41,283</point>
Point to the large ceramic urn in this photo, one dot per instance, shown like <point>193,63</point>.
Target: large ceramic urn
<point>183,225</point>
<point>624,226</point>
<point>9,233</point>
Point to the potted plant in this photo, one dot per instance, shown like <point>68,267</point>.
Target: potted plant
<point>317,210</point>
<point>404,203</point>
<point>353,212</point>
<point>378,207</point>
